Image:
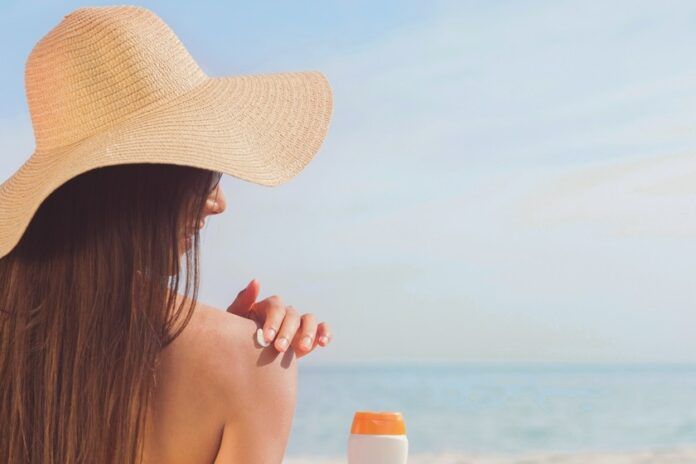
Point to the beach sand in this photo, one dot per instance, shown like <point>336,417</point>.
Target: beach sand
<point>678,456</point>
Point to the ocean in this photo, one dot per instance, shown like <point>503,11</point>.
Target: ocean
<point>504,413</point>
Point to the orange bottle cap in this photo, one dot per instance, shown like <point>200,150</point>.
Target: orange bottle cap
<point>378,423</point>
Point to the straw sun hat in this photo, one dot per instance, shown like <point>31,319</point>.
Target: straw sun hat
<point>114,85</point>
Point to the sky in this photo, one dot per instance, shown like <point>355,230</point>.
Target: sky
<point>502,181</point>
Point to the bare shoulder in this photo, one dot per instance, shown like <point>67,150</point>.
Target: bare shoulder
<point>256,386</point>
<point>221,393</point>
<point>236,360</point>
<point>235,368</point>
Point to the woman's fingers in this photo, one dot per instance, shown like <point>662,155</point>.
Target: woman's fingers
<point>304,341</point>
<point>273,311</point>
<point>288,329</point>
<point>285,327</point>
<point>324,334</point>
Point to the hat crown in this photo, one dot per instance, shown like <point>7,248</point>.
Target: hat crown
<point>99,66</point>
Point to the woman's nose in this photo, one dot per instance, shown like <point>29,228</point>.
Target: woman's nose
<point>216,203</point>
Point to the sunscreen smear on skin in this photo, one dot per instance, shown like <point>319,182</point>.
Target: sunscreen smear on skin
<point>377,438</point>
<point>260,339</point>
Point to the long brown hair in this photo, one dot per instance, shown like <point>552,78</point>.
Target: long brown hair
<point>88,299</point>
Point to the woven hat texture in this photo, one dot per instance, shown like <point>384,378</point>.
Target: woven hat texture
<point>114,85</point>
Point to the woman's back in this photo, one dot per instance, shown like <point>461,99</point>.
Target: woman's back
<point>220,397</point>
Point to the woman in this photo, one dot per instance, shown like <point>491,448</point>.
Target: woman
<point>102,358</point>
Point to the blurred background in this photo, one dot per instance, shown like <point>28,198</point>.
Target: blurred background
<point>499,227</point>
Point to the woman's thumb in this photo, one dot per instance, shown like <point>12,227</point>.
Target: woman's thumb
<point>245,299</point>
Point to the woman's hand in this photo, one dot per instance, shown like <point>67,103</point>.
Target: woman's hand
<point>281,324</point>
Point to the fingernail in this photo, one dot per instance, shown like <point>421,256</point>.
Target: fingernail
<point>306,342</point>
<point>324,339</point>
<point>270,334</point>
<point>283,343</point>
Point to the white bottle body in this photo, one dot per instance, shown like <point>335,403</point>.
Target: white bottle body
<point>377,449</point>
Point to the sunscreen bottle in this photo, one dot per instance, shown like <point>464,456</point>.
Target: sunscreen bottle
<point>377,438</point>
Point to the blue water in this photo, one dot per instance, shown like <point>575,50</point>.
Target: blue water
<point>501,408</point>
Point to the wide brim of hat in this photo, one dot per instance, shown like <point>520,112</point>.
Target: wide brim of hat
<point>261,128</point>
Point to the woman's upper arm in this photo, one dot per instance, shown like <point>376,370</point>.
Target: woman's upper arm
<point>259,402</point>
